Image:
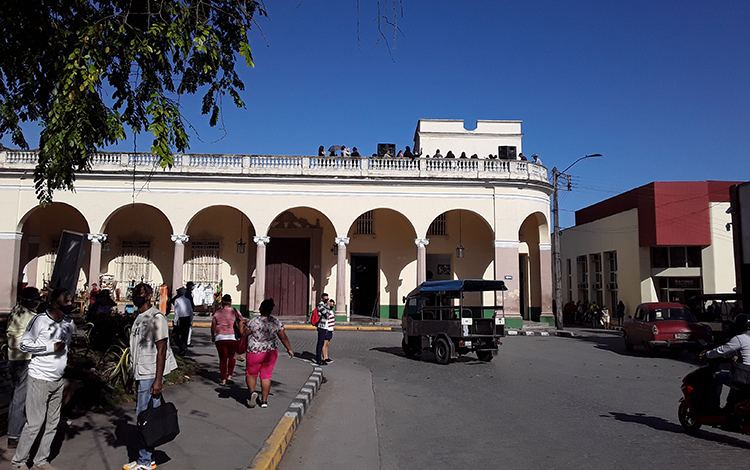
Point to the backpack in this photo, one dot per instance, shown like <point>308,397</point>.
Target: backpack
<point>314,319</point>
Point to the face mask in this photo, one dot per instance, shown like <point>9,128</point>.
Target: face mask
<point>139,302</point>
<point>66,309</point>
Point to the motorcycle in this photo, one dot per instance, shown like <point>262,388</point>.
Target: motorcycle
<point>695,409</point>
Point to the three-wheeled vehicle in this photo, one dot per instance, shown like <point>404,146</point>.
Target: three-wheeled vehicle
<point>451,318</point>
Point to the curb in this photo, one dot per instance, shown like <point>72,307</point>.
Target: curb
<point>567,334</point>
<point>270,454</point>
<point>310,327</point>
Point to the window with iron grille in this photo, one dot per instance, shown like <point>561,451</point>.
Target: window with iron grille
<point>365,224</point>
<point>570,279</point>
<point>438,226</point>
<point>203,264</point>
<point>612,269</point>
<point>583,272</point>
<point>134,262</point>
<point>596,260</point>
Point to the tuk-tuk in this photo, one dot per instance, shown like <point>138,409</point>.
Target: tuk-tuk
<point>452,318</point>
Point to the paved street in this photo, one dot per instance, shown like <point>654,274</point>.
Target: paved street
<point>550,402</point>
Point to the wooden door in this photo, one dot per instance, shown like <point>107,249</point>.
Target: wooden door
<point>287,274</point>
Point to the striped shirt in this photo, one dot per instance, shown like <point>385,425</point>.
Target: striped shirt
<point>331,323</point>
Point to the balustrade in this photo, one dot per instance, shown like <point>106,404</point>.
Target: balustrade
<point>301,165</point>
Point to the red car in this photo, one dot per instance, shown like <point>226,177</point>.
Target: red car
<point>668,325</point>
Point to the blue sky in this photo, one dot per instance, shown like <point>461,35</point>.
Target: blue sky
<point>660,88</point>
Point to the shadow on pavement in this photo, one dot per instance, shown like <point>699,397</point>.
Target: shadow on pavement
<point>616,345</point>
<point>661,424</point>
<point>426,356</point>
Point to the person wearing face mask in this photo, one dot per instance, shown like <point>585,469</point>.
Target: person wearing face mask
<point>18,361</point>
<point>151,359</point>
<point>46,338</point>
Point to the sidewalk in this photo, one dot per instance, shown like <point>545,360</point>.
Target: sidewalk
<point>217,429</point>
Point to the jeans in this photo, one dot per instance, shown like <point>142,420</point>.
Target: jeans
<point>321,341</point>
<point>43,402</point>
<point>144,395</point>
<point>16,412</point>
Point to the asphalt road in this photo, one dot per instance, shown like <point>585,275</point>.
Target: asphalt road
<point>543,402</point>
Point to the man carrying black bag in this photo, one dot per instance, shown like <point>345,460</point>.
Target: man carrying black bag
<point>151,358</point>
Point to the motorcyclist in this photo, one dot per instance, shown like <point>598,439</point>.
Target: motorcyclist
<point>738,348</point>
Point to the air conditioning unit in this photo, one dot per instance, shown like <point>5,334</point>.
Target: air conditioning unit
<point>611,286</point>
<point>583,285</point>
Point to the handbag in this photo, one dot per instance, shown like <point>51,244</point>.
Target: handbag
<point>158,425</point>
<point>237,325</point>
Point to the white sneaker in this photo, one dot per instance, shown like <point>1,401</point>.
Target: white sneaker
<point>253,399</point>
<point>134,466</point>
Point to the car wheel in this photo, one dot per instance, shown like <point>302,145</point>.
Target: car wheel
<point>628,344</point>
<point>442,351</point>
<point>485,356</point>
<point>687,421</point>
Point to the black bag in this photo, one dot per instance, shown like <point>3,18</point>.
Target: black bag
<point>158,425</point>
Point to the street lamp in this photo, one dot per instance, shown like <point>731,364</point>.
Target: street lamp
<point>557,261</point>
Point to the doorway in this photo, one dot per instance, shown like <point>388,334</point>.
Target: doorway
<point>287,274</point>
<point>523,274</point>
<point>365,272</point>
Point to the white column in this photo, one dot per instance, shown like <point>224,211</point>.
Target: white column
<point>10,252</point>
<point>506,270</point>
<point>545,272</point>
<point>342,293</point>
<point>260,270</point>
<point>421,259</point>
<point>179,260</point>
<point>95,259</point>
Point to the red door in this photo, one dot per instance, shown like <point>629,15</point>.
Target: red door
<point>287,274</point>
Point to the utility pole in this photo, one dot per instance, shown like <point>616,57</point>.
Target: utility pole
<point>556,256</point>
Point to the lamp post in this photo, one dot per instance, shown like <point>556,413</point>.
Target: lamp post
<point>556,258</point>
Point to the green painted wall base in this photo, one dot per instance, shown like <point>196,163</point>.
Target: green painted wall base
<point>514,323</point>
<point>391,311</point>
<point>548,320</point>
<point>535,313</point>
<point>340,318</point>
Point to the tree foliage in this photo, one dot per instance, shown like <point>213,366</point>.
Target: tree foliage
<point>87,70</point>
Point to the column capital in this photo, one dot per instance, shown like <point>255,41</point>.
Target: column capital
<point>421,242</point>
<point>505,244</point>
<point>180,239</point>
<point>11,235</point>
<point>259,240</point>
<point>97,237</point>
<point>342,241</point>
<point>545,247</point>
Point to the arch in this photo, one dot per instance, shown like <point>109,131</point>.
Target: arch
<point>213,255</point>
<point>42,227</point>
<point>535,266</point>
<point>382,254</point>
<point>139,240</point>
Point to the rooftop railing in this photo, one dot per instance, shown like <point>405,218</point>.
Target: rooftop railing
<point>273,165</point>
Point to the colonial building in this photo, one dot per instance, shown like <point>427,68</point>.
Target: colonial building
<point>364,230</point>
<point>665,241</point>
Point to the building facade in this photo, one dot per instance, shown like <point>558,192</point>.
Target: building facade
<point>364,230</point>
<point>665,241</point>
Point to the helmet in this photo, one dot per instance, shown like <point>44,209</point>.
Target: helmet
<point>742,321</point>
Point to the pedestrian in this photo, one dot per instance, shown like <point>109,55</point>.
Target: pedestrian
<point>262,351</point>
<point>400,154</point>
<point>47,338</point>
<point>330,325</point>
<point>345,152</point>
<point>322,151</point>
<point>605,317</point>
<point>408,153</point>
<point>620,312</point>
<point>223,335</point>
<point>450,154</point>
<point>18,361</point>
<point>355,152</point>
<point>322,327</point>
<point>151,359</point>
<point>183,320</point>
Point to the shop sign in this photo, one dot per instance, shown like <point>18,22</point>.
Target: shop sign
<point>684,283</point>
